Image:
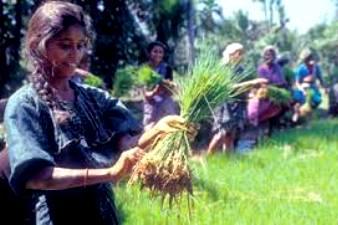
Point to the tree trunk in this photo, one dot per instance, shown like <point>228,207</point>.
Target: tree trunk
<point>336,10</point>
<point>3,55</point>
<point>191,31</point>
<point>265,5</point>
<point>111,38</point>
<point>271,3</point>
<point>17,35</point>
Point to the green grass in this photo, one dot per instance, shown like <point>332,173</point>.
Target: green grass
<point>290,179</point>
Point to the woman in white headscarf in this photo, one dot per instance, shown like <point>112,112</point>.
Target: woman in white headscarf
<point>229,118</point>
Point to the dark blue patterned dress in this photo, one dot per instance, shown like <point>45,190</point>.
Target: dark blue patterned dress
<point>87,139</point>
<point>230,117</point>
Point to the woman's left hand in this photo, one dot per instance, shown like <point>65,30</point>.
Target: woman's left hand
<point>168,124</point>
<point>174,123</point>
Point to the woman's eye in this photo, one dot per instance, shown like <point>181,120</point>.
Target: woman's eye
<point>81,46</point>
<point>65,46</point>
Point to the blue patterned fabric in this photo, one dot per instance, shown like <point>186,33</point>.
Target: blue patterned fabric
<point>87,139</point>
<point>300,74</point>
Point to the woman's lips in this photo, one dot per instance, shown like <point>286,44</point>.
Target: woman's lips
<point>71,65</point>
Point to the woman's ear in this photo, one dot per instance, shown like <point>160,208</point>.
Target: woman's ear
<point>33,47</point>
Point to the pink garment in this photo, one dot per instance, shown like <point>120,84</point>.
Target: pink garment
<point>259,110</point>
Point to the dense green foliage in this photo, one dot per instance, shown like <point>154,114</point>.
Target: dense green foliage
<point>94,81</point>
<point>279,95</point>
<point>124,81</point>
<point>146,76</point>
<point>123,29</point>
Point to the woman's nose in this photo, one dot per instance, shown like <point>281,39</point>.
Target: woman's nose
<point>75,53</point>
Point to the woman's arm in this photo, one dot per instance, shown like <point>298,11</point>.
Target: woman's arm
<point>150,94</point>
<point>82,73</point>
<point>253,82</point>
<point>57,178</point>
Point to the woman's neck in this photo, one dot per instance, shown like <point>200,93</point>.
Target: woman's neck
<point>270,64</point>
<point>153,64</point>
<point>62,90</point>
<point>60,84</point>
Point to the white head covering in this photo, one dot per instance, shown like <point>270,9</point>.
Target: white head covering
<point>231,49</point>
<point>270,48</point>
<point>305,53</point>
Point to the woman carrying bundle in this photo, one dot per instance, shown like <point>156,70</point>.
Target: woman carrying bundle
<point>260,108</point>
<point>65,139</point>
<point>230,117</point>
<point>158,102</point>
<point>306,76</point>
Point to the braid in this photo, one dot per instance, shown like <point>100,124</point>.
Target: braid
<point>44,90</point>
<point>46,93</point>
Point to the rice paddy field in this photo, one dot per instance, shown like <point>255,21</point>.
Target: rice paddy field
<point>291,178</point>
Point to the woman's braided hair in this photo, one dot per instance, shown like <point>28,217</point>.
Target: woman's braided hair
<point>47,22</point>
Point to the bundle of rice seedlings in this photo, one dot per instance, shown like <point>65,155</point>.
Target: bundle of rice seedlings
<point>165,169</point>
<point>279,96</point>
<point>306,109</point>
<point>147,77</point>
<point>131,77</point>
<point>124,80</point>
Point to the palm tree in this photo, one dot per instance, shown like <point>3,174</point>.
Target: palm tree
<point>191,29</point>
<point>207,14</point>
<point>265,7</point>
<point>336,6</point>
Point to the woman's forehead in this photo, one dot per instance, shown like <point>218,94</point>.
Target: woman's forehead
<point>73,33</point>
<point>158,47</point>
<point>270,52</point>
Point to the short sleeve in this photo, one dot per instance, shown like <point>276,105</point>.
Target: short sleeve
<point>28,145</point>
<point>115,113</point>
<point>300,73</point>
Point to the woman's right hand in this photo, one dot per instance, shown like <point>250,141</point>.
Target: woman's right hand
<point>149,94</point>
<point>125,163</point>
